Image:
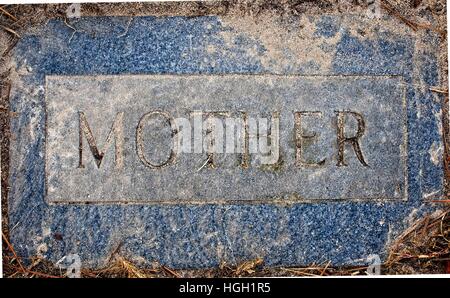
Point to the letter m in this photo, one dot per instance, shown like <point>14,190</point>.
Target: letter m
<point>115,132</point>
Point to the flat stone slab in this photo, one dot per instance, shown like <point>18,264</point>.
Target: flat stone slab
<point>297,171</point>
<point>336,144</point>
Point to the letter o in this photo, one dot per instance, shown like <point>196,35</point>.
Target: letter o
<point>140,145</point>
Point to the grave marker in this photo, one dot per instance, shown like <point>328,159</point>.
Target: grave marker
<point>196,140</point>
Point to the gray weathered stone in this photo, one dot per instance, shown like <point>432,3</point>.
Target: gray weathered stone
<point>380,100</point>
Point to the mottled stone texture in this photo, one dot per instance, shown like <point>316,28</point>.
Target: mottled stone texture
<point>203,235</point>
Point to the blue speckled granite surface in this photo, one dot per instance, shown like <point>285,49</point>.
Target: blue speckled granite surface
<point>196,236</point>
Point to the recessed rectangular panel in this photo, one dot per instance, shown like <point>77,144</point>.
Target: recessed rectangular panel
<point>224,138</point>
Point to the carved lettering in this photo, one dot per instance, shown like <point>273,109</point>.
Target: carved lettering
<point>354,140</point>
<point>214,136</point>
<point>245,156</point>
<point>140,142</point>
<point>116,132</point>
<point>300,137</point>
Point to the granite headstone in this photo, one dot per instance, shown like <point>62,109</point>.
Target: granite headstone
<point>342,102</point>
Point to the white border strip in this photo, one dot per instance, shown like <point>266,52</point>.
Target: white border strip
<point>113,1</point>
